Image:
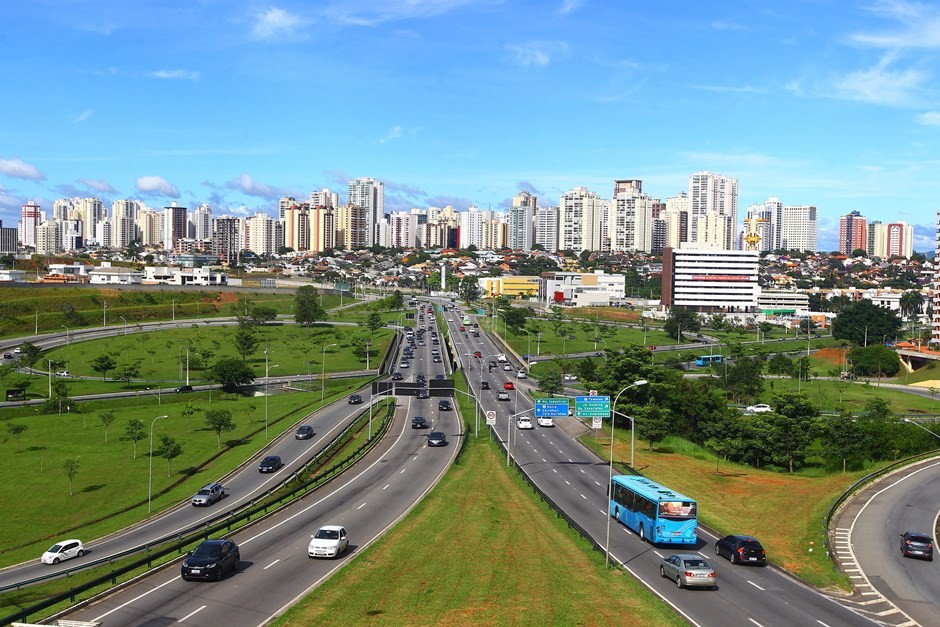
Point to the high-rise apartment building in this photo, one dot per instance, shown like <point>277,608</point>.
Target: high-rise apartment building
<point>853,233</point>
<point>49,238</point>
<point>713,193</point>
<point>352,227</point>
<point>124,215</point>
<point>150,226</point>
<point>676,216</point>
<point>546,228</point>
<point>470,225</point>
<point>296,226</point>
<point>369,194</point>
<point>580,213</point>
<point>227,238</point>
<point>890,240</point>
<point>630,219</point>
<point>91,211</point>
<point>324,198</point>
<point>262,234</point>
<point>520,221</point>
<point>30,219</point>
<point>175,226</point>
<point>796,228</point>
<point>202,222</point>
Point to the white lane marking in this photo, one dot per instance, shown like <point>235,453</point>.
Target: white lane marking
<point>583,497</point>
<point>271,564</point>
<point>596,483</point>
<point>755,585</point>
<point>386,486</point>
<point>658,554</point>
<point>191,614</point>
<point>137,598</point>
<point>821,623</point>
<point>755,622</point>
<point>544,460</point>
<point>567,482</point>
<point>555,470</point>
<point>360,507</point>
<point>584,473</point>
<point>401,471</point>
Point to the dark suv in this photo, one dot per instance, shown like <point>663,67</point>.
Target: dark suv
<point>210,560</point>
<point>741,550</point>
<point>443,406</point>
<point>915,544</point>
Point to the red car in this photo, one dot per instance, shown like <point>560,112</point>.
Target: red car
<point>463,328</point>
<point>477,354</point>
<point>509,386</point>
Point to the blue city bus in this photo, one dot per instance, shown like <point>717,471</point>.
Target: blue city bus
<point>655,512</point>
<point>705,360</point>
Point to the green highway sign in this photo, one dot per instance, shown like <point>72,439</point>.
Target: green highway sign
<point>592,406</point>
<point>551,407</point>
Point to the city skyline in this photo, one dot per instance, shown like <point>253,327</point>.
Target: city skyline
<point>470,102</point>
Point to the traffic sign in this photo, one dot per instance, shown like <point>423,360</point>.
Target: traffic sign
<point>491,417</point>
<point>597,423</point>
<point>592,406</point>
<point>551,407</point>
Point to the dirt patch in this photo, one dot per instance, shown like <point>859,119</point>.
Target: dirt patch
<point>227,297</point>
<point>835,356</point>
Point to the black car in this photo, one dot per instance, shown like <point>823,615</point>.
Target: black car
<point>397,376</point>
<point>211,560</point>
<point>423,393</point>
<point>418,422</point>
<point>184,388</point>
<point>439,377</point>
<point>484,385</point>
<point>915,544</point>
<point>304,432</point>
<point>421,378</point>
<point>741,550</point>
<point>271,463</point>
<point>444,406</point>
<point>436,438</point>
<point>354,399</point>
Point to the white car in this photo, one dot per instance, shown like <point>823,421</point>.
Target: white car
<point>520,374</point>
<point>61,551</point>
<point>61,373</point>
<point>545,421</point>
<point>329,541</point>
<point>501,358</point>
<point>507,367</point>
<point>523,423</point>
<point>570,377</point>
<point>762,408</point>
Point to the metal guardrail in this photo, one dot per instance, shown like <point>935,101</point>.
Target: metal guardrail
<point>855,487</point>
<point>224,521</point>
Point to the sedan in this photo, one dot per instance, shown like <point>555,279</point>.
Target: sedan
<point>397,376</point>
<point>484,385</point>
<point>419,422</point>
<point>761,408</point>
<point>443,405</point>
<point>545,421</point>
<point>436,438</point>
<point>477,354</point>
<point>423,393</point>
<point>61,551</point>
<point>271,463</point>
<point>688,570</point>
<point>508,385</point>
<point>355,399</point>
<point>210,560</point>
<point>329,541</point>
<point>304,432</point>
<point>741,549</point>
<point>915,544</point>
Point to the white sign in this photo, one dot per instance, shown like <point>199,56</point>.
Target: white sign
<point>597,422</point>
<point>491,417</point>
<point>592,393</point>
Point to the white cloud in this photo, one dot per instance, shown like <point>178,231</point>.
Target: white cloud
<point>19,169</point>
<point>156,185</point>
<point>880,84</point>
<point>275,23</point>
<point>568,6</point>
<point>81,117</point>
<point>537,52</point>
<point>931,118</point>
<point>98,185</point>
<point>246,184</point>
<point>373,12</point>
<point>393,133</point>
<point>919,26</point>
<point>188,75</point>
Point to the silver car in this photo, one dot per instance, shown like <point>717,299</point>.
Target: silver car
<point>209,494</point>
<point>688,570</point>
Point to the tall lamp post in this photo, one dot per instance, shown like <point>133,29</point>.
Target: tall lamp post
<point>150,479</point>
<point>917,424</point>
<point>323,371</point>
<point>124,320</point>
<point>266,370</point>
<point>66,334</point>
<point>610,475</point>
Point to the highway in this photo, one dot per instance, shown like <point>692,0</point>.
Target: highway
<point>575,479</point>
<point>367,500</point>
<point>900,590</point>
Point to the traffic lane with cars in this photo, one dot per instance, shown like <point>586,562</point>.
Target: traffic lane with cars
<point>900,502</point>
<point>245,484</point>
<point>275,569</point>
<point>577,481</point>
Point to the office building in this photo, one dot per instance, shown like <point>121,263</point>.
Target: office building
<point>710,281</point>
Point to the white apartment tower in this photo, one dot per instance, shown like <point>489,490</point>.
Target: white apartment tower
<point>630,220</point>
<point>91,211</point>
<point>369,194</point>
<point>796,228</point>
<point>124,216</point>
<point>546,228</point>
<point>713,193</point>
<point>262,234</point>
<point>324,198</point>
<point>30,219</point>
<point>202,222</point>
<point>49,237</point>
<point>470,223</point>
<point>580,213</point>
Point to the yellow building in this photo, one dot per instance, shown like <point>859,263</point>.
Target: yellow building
<point>513,286</point>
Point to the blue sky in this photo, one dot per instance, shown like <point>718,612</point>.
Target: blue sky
<point>235,103</point>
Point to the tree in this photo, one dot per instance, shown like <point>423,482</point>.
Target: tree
<point>396,300</point>
<point>681,320</point>
<point>874,360</point>
<point>70,466</point>
<point>230,373</point>
<point>219,421</point>
<point>107,418</point>
<point>29,354</point>
<point>170,449</point>
<point>744,380</point>
<point>307,308</point>
<point>468,289</point>
<point>653,424</point>
<point>135,432</point>
<point>586,369</point>
<point>515,317</point>
<point>842,439</point>
<point>780,364</point>
<point>858,322</point>
<point>792,428</point>
<point>550,381</point>
<point>246,342</point>
<point>102,364</point>
<point>374,322</point>
<point>16,431</point>
<point>127,372</point>
<point>262,315</point>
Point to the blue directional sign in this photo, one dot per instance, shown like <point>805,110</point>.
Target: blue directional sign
<point>592,406</point>
<point>551,407</point>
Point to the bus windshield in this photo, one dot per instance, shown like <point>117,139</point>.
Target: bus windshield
<point>677,510</point>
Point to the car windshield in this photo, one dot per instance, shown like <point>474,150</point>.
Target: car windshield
<point>327,534</point>
<point>677,509</point>
<point>207,550</point>
<point>696,564</point>
<point>270,460</point>
<point>55,548</point>
<point>203,492</point>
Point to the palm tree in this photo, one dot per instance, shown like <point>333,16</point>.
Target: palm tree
<point>911,304</point>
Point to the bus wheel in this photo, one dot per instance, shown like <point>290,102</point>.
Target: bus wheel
<point>642,532</point>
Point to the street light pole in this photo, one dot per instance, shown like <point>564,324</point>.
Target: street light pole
<point>610,474</point>
<point>66,334</point>
<point>323,371</point>
<point>150,478</point>
<point>124,320</point>
<point>104,313</point>
<point>266,370</point>
<point>917,424</point>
